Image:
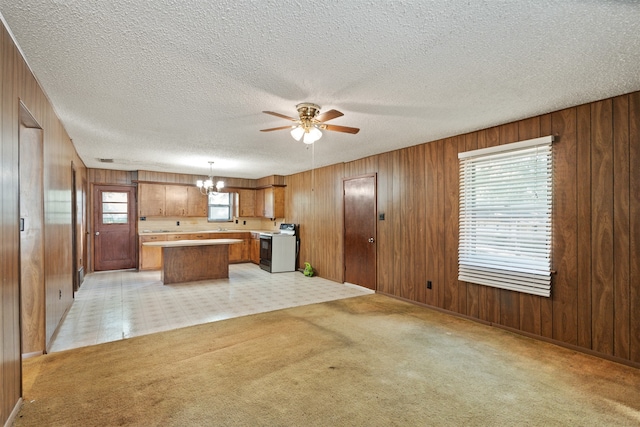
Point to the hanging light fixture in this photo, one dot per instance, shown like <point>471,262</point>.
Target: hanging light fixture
<point>207,187</point>
<point>307,132</point>
<point>308,128</point>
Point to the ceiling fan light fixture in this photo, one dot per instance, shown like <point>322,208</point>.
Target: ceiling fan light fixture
<point>312,135</point>
<point>297,132</point>
<point>309,125</point>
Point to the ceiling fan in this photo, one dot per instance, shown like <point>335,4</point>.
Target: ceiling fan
<point>311,123</point>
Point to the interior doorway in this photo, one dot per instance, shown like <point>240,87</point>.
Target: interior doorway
<point>32,284</point>
<point>114,240</point>
<point>360,231</point>
<point>74,229</point>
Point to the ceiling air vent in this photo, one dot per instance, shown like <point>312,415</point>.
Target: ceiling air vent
<point>105,160</point>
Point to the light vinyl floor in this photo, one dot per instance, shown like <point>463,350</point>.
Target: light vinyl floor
<point>116,305</point>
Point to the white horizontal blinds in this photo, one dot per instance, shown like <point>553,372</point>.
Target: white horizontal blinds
<point>505,216</point>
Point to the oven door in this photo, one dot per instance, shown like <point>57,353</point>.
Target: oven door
<point>265,252</point>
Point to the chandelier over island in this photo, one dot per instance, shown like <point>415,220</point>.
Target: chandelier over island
<point>208,186</point>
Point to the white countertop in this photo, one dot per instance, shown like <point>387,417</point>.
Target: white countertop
<point>161,232</point>
<point>207,242</point>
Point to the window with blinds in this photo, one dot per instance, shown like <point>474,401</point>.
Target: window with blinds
<point>505,216</point>
<point>220,207</point>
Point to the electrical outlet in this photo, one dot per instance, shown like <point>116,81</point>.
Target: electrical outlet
<point>178,223</point>
<point>429,285</point>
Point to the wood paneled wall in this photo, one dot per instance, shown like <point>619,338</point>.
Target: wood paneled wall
<point>188,179</point>
<point>18,84</point>
<point>596,235</point>
<point>10,371</point>
<point>107,176</point>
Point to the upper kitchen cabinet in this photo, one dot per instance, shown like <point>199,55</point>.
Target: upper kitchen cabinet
<point>151,200</point>
<point>246,203</point>
<point>259,209</point>
<point>197,202</point>
<point>176,197</point>
<point>171,201</point>
<point>271,202</point>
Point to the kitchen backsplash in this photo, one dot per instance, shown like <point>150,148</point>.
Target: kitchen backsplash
<point>201,224</point>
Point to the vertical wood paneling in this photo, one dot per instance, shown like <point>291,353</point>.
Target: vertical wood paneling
<point>621,176</point>
<point>298,211</point>
<point>433,251</point>
<point>602,225</point>
<point>418,222</point>
<point>407,237</point>
<point>442,221</point>
<point>583,273</point>
<point>10,373</point>
<point>634,226</point>
<point>359,167</point>
<point>106,176</point>
<point>385,229</point>
<point>450,213</point>
<point>328,215</point>
<point>529,304</point>
<point>397,197</point>
<point>509,300</point>
<point>564,227</point>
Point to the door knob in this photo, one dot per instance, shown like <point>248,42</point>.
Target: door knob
<point>371,240</point>
<point>97,233</point>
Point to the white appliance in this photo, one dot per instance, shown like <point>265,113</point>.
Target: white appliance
<point>278,249</point>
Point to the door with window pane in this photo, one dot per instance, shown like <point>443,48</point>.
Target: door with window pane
<point>114,234</point>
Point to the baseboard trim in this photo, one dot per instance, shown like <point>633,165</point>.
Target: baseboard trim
<point>32,354</point>
<point>361,288</point>
<point>14,413</point>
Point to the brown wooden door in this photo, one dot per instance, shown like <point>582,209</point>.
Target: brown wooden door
<point>114,237</point>
<point>360,231</point>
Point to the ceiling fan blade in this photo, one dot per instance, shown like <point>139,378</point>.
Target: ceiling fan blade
<point>331,114</point>
<point>278,128</point>
<point>345,129</point>
<point>282,116</point>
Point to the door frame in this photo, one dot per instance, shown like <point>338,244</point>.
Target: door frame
<point>375,225</point>
<point>133,211</point>
<point>31,268</point>
<point>74,229</point>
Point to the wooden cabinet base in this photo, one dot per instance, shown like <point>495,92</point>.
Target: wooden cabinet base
<point>192,263</point>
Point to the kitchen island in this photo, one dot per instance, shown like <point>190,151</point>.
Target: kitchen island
<point>192,260</point>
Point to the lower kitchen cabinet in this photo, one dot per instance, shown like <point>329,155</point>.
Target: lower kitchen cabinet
<point>255,248</point>
<point>237,253</point>
<point>150,257</point>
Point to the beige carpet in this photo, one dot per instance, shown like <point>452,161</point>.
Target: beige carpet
<point>364,361</point>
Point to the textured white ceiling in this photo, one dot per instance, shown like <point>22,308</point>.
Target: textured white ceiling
<point>168,85</point>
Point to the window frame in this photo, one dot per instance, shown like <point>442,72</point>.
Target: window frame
<point>496,194</point>
<point>230,206</point>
